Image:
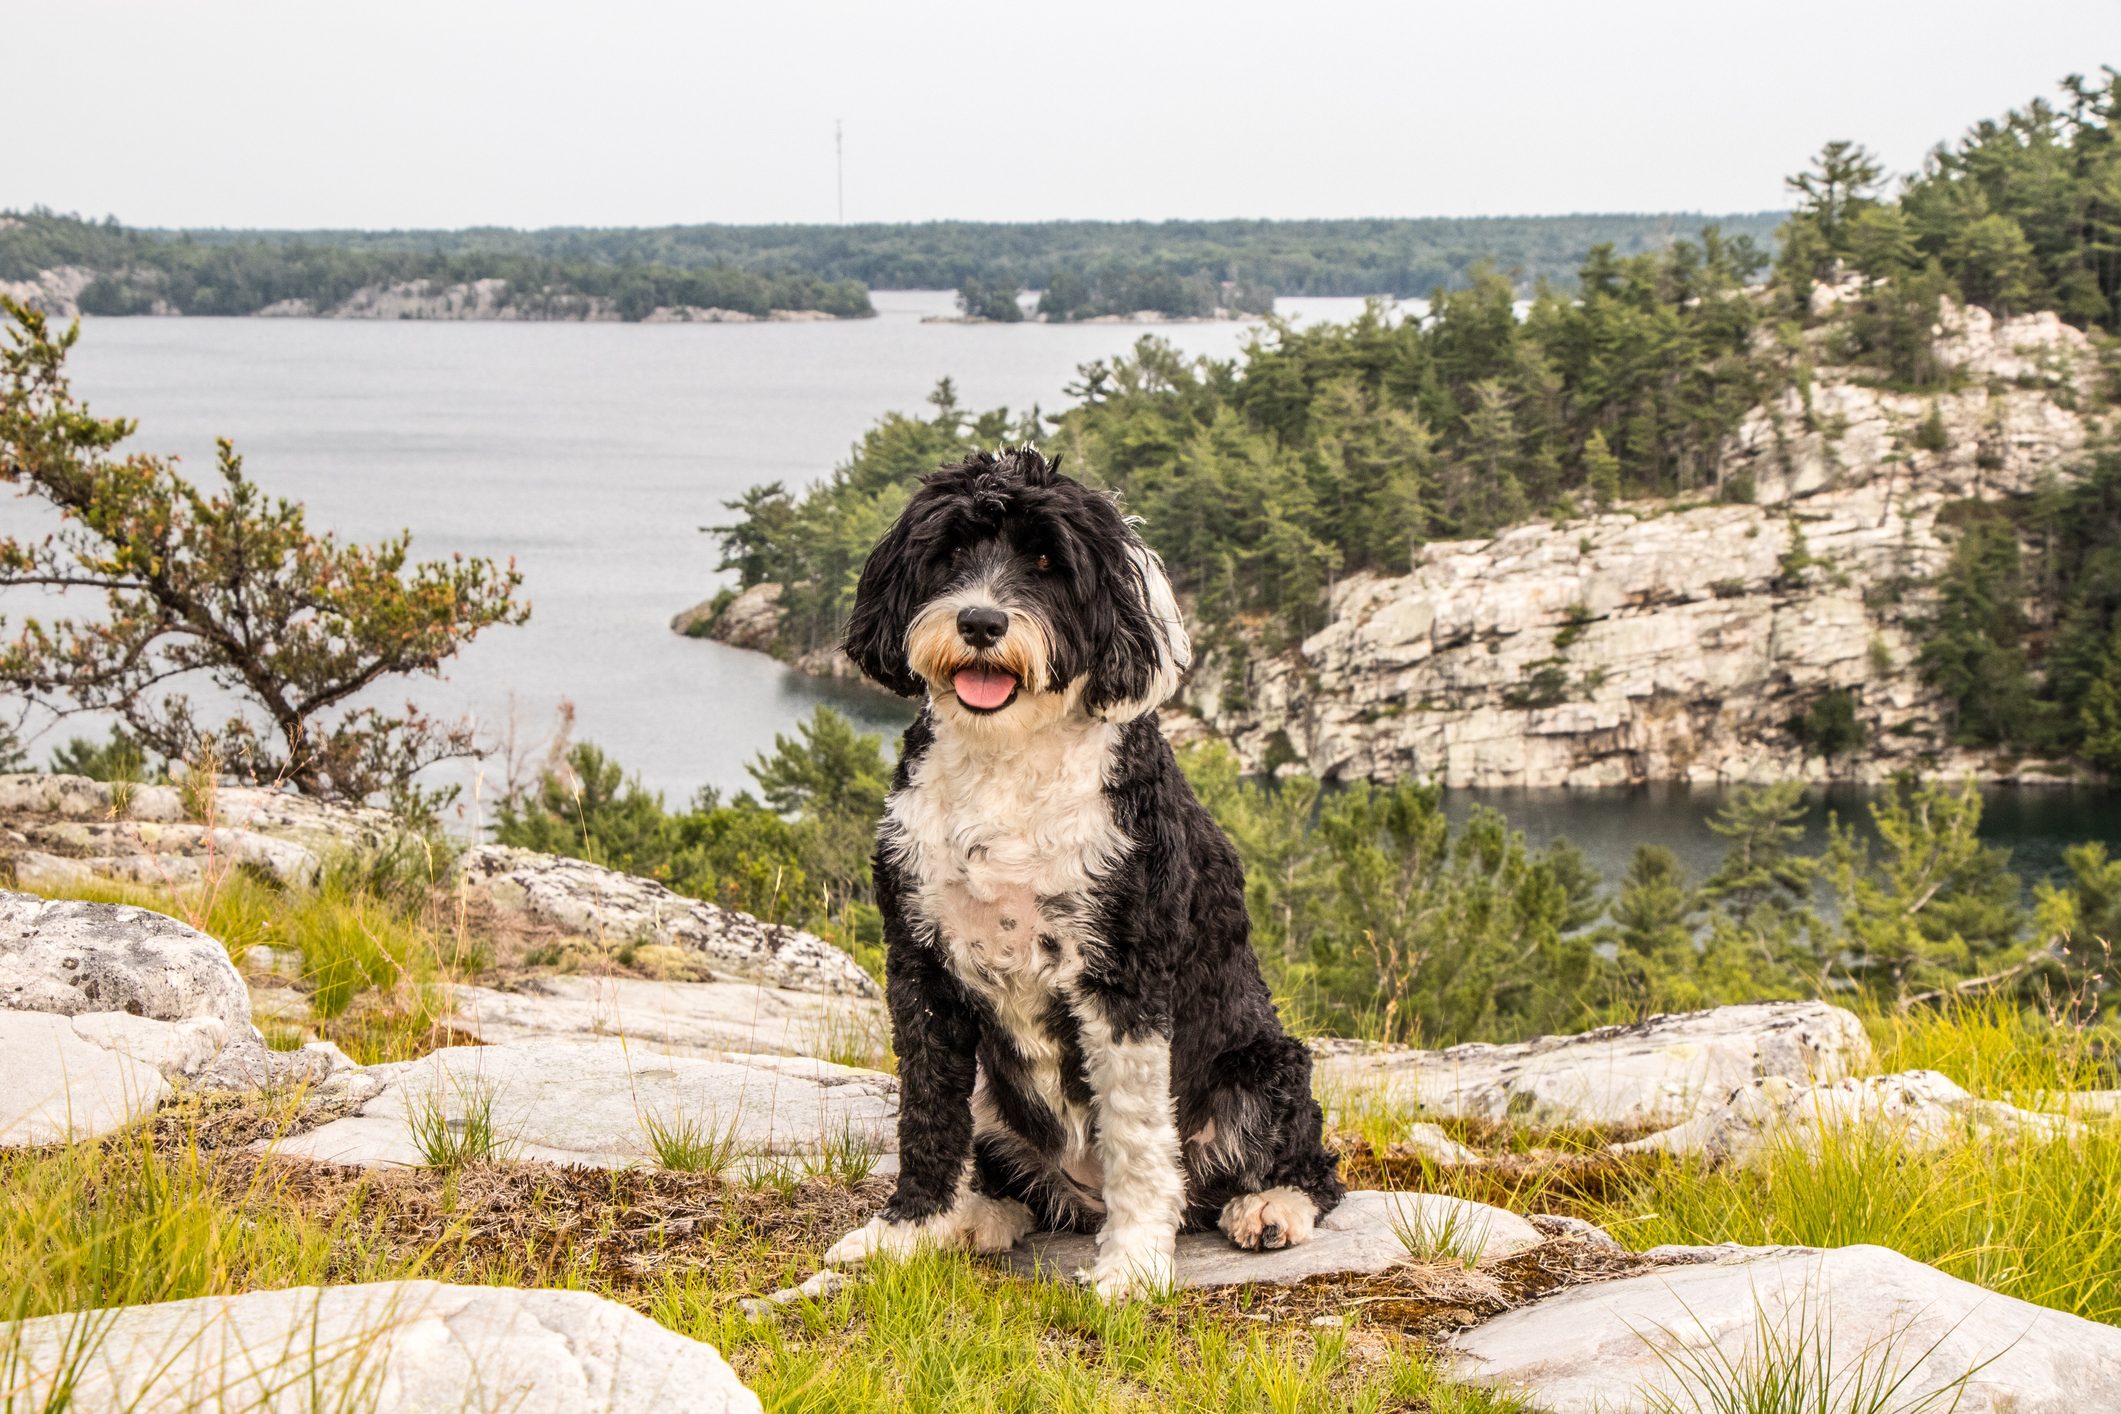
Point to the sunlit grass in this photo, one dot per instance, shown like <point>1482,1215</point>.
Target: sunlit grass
<point>372,963</point>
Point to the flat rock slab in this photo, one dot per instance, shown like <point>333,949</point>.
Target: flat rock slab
<point>1851,1318</point>
<point>62,1086</point>
<point>413,1346</point>
<point>1919,1109</point>
<point>587,900</point>
<point>1655,1073</point>
<point>1369,1232</point>
<point>596,1103</point>
<point>676,1018</point>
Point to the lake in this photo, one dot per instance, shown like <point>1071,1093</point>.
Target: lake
<point>593,453</point>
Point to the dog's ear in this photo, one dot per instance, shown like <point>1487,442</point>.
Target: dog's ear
<point>886,598</point>
<point>1146,649</point>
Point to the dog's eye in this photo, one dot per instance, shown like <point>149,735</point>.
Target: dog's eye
<point>1045,563</point>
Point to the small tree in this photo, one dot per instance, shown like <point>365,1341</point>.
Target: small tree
<point>229,585</point>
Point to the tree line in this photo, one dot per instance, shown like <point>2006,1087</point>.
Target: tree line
<point>1323,450</point>
<point>137,272</point>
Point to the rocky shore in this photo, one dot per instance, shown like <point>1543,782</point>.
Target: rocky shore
<point>1665,641</point>
<point>57,292</point>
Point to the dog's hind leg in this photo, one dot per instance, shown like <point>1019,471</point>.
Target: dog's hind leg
<point>1300,1182</point>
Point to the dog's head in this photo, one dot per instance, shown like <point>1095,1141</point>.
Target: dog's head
<point>1015,595</point>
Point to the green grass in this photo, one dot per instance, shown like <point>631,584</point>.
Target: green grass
<point>1789,1366</point>
<point>468,1137</point>
<point>148,1218</point>
<point>373,961</point>
<point>2029,1217</point>
<point>683,1144</point>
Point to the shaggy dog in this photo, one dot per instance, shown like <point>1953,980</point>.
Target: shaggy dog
<point>1084,1038</point>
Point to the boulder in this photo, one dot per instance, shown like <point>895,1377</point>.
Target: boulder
<point>68,957</point>
<point>414,1345</point>
<point>1653,1073</point>
<point>676,1018</point>
<point>587,900</point>
<point>141,984</point>
<point>600,1102</point>
<point>1852,1320</point>
<point>1917,1108</point>
<point>1369,1232</point>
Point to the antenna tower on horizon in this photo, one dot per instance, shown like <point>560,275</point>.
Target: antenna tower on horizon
<point>839,167</point>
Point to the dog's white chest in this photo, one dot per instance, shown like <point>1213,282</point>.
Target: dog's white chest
<point>1003,846</point>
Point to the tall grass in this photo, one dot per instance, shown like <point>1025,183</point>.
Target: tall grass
<point>373,961</point>
<point>2026,1216</point>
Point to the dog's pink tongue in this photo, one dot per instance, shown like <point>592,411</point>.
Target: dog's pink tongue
<point>984,688</point>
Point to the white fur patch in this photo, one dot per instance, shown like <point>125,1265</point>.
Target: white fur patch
<point>976,1223</point>
<point>1269,1220</point>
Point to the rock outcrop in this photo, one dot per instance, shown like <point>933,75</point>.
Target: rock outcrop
<point>1915,1109</point>
<point>1660,643</point>
<point>1652,1074</point>
<point>413,1345</point>
<point>586,900</point>
<point>604,1104</point>
<point>65,829</point>
<point>1368,1232</point>
<point>1843,1326</point>
<point>101,1005</point>
<point>676,1018</point>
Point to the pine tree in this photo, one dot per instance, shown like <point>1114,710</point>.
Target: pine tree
<point>1601,470</point>
<point>2101,713</point>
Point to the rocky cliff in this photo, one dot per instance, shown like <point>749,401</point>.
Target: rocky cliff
<point>1662,643</point>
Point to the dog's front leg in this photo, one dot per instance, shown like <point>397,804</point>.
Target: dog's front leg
<point>1137,1137</point>
<point>935,1032</point>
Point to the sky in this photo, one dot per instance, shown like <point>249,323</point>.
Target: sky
<point>526,113</point>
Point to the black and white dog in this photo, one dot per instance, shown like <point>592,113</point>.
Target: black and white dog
<point>1083,1034</point>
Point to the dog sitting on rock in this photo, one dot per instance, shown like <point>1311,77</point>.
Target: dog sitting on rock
<point>1084,1038</point>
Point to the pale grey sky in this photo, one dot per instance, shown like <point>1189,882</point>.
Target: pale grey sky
<point>528,112</point>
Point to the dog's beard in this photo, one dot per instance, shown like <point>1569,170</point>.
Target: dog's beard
<point>985,682</point>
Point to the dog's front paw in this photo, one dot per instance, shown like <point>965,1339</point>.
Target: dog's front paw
<point>891,1239</point>
<point>1269,1221</point>
<point>1132,1265</point>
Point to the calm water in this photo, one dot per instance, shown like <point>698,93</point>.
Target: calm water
<point>592,454</point>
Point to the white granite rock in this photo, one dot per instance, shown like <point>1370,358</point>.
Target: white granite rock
<point>141,983</point>
<point>588,900</point>
<point>1662,1071</point>
<point>1368,1232</point>
<point>596,1103</point>
<point>1920,1109</point>
<point>675,1018</point>
<point>1846,1318</point>
<point>68,957</point>
<point>1679,644</point>
<point>75,829</point>
<point>62,1086</point>
<point>416,1346</point>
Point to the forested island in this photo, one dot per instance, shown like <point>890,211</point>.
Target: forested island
<point>1081,269</point>
<point>69,265</point>
<point>1709,514</point>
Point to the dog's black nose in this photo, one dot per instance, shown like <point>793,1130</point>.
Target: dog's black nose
<point>982,628</point>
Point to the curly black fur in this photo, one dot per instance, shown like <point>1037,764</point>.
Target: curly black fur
<point>1160,930</point>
